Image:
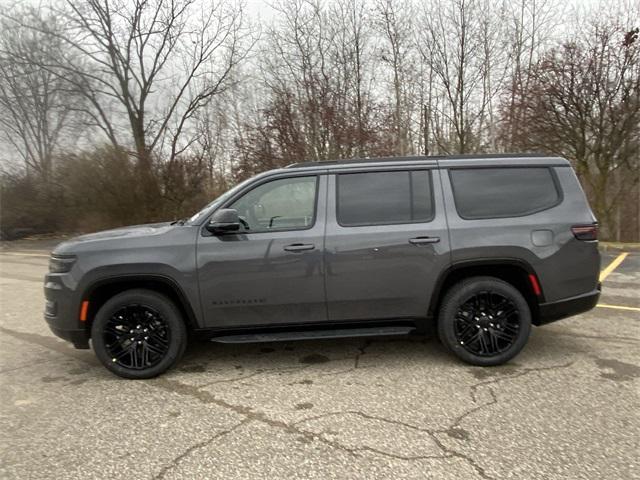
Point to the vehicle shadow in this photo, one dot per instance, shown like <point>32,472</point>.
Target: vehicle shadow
<point>203,355</point>
<point>544,347</point>
<point>326,357</point>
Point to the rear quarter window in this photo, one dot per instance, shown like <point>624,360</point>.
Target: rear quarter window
<point>503,192</point>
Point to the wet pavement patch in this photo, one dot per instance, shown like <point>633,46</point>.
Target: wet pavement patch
<point>457,433</point>
<point>53,379</point>
<point>482,373</point>
<point>314,358</point>
<point>618,371</point>
<point>193,369</point>
<point>306,381</point>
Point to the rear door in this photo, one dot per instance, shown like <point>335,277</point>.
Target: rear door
<point>386,242</point>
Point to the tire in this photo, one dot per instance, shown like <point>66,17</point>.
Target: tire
<point>484,321</point>
<point>138,334</point>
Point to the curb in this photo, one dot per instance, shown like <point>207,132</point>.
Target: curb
<point>619,247</point>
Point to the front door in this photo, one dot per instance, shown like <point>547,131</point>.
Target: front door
<point>272,271</point>
<point>386,243</point>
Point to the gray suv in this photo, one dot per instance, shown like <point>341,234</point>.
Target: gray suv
<point>484,246</point>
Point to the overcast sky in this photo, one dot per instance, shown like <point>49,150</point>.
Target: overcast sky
<point>262,13</point>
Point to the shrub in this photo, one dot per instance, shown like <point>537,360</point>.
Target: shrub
<point>100,189</point>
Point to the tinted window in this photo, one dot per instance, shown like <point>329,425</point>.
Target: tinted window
<point>379,198</point>
<point>284,204</point>
<point>502,192</point>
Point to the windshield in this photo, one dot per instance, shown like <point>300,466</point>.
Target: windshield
<point>199,216</point>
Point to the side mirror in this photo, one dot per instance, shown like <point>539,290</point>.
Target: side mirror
<point>224,221</point>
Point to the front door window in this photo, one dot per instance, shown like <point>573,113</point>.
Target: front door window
<point>283,204</point>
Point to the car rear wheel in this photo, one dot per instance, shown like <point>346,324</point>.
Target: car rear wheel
<point>484,321</point>
<point>138,334</point>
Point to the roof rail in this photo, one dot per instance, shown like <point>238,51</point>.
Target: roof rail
<point>409,158</point>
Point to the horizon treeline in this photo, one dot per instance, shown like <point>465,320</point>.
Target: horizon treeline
<point>115,112</point>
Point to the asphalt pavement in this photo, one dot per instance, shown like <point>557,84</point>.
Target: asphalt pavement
<point>567,407</point>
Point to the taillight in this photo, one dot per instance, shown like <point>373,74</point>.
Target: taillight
<point>535,286</point>
<point>585,232</point>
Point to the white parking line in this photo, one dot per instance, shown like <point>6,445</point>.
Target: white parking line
<point>25,254</point>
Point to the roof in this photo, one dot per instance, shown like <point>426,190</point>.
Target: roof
<point>467,158</point>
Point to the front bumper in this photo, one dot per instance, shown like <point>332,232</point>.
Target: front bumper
<point>567,307</point>
<point>78,338</point>
<point>62,310</point>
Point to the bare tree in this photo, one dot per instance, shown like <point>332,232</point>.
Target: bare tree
<point>36,106</point>
<point>583,103</point>
<point>530,26</point>
<point>354,41</point>
<point>461,42</point>
<point>316,69</point>
<point>222,131</point>
<point>395,22</point>
<point>171,86</point>
<point>146,67</point>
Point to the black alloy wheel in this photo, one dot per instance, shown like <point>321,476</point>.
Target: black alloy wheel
<point>138,334</point>
<point>487,323</point>
<point>484,321</point>
<point>137,337</point>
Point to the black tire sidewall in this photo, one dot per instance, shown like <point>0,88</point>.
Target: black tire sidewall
<point>462,291</point>
<point>165,307</point>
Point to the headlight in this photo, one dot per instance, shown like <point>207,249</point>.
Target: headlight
<point>61,263</point>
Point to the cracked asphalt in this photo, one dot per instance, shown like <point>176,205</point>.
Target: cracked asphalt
<point>567,407</point>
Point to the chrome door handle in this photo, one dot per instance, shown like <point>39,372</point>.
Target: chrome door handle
<point>423,240</point>
<point>299,247</point>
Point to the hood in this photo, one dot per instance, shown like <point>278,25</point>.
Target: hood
<point>131,232</point>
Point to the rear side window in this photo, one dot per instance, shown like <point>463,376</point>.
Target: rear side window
<point>384,198</point>
<point>503,192</point>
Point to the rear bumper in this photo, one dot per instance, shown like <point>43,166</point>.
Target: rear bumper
<point>567,307</point>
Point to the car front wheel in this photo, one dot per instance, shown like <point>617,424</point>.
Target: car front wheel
<point>138,334</point>
<point>484,321</point>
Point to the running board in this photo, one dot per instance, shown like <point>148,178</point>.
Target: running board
<point>284,336</point>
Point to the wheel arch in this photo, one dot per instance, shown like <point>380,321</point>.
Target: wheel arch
<point>513,271</point>
<point>104,289</point>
